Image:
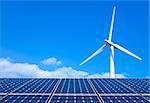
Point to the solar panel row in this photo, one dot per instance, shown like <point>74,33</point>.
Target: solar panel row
<point>74,90</point>
<point>124,99</point>
<point>141,86</point>
<point>25,99</point>
<point>38,86</point>
<point>8,85</point>
<point>74,99</point>
<point>74,86</point>
<point>109,86</point>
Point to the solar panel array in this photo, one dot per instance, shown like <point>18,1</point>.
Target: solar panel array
<point>74,90</point>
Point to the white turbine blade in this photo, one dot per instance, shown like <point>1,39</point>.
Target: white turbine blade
<point>94,54</point>
<point>112,23</point>
<point>122,49</point>
<point>126,51</point>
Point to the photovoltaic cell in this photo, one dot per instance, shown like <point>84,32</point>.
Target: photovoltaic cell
<point>147,97</point>
<point>1,96</point>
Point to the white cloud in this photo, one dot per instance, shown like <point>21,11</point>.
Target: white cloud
<point>9,69</point>
<point>51,61</point>
<point>105,75</point>
<point>67,72</point>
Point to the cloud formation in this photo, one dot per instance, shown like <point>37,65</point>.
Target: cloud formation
<point>9,69</point>
<point>51,61</point>
<point>105,75</point>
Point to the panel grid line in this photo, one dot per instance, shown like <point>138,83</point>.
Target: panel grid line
<point>76,94</point>
<point>80,86</point>
<point>63,86</point>
<point>96,92</point>
<point>54,90</point>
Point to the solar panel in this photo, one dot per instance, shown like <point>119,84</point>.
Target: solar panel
<point>74,90</point>
<point>138,85</point>
<point>74,99</point>
<point>1,79</point>
<point>7,85</point>
<point>38,86</point>
<point>74,86</point>
<point>124,99</point>
<point>25,99</point>
<point>109,86</point>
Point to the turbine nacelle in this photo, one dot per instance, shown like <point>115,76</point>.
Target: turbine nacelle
<point>108,42</point>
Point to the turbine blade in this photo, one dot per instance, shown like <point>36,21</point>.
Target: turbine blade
<point>94,54</point>
<point>112,23</point>
<point>126,51</point>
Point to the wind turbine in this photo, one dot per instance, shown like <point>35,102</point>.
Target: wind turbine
<point>112,46</point>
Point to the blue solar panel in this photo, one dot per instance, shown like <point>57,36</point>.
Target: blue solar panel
<point>1,96</point>
<point>138,85</point>
<point>74,90</point>
<point>74,99</point>
<point>74,86</point>
<point>109,86</point>
<point>25,99</point>
<point>147,97</point>
<point>124,99</point>
<point>1,79</point>
<point>38,86</point>
<point>7,85</point>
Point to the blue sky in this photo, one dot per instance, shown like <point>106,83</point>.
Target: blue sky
<point>32,31</point>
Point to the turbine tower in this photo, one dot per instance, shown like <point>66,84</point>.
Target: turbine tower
<point>108,42</point>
